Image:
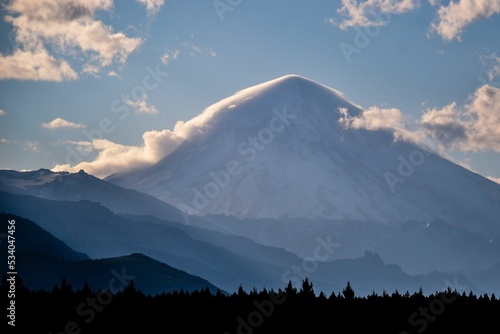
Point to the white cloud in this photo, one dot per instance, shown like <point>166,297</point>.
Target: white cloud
<point>196,49</point>
<point>169,56</point>
<point>367,13</point>
<point>494,72</point>
<point>61,123</point>
<point>375,118</point>
<point>91,69</point>
<point>2,113</point>
<point>485,122</point>
<point>152,6</point>
<point>114,74</point>
<point>475,128</point>
<point>68,29</point>
<point>141,106</point>
<point>445,126</point>
<point>113,157</point>
<point>36,65</point>
<point>31,146</point>
<point>452,19</point>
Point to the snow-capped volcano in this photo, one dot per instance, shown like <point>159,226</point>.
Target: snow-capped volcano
<point>278,150</point>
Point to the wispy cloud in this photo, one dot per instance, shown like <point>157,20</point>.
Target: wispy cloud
<point>168,56</point>
<point>114,74</point>
<point>364,13</point>
<point>142,106</point>
<point>70,30</point>
<point>195,49</point>
<point>453,18</point>
<point>493,62</point>
<point>83,147</point>
<point>152,6</point>
<point>61,123</point>
<point>31,146</point>
<point>2,112</point>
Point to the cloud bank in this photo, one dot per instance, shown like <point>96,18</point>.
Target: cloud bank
<point>113,157</point>
<point>473,128</point>
<point>70,30</point>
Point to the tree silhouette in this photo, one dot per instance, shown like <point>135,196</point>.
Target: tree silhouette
<point>258,311</point>
<point>348,292</point>
<point>307,290</point>
<point>290,290</point>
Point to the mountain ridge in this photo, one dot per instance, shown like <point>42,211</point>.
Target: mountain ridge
<point>43,261</point>
<point>78,186</point>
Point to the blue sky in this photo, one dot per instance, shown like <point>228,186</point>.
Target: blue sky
<point>100,77</point>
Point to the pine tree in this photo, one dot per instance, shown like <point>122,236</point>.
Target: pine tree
<point>307,289</point>
<point>348,292</point>
<point>290,290</point>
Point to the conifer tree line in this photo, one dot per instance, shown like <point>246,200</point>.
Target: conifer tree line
<point>69,310</point>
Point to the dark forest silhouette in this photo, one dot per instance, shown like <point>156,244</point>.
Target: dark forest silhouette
<point>65,309</point>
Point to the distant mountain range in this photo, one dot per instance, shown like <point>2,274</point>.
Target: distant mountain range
<point>43,261</point>
<point>228,261</point>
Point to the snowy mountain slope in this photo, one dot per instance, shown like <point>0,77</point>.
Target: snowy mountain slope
<point>277,150</point>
